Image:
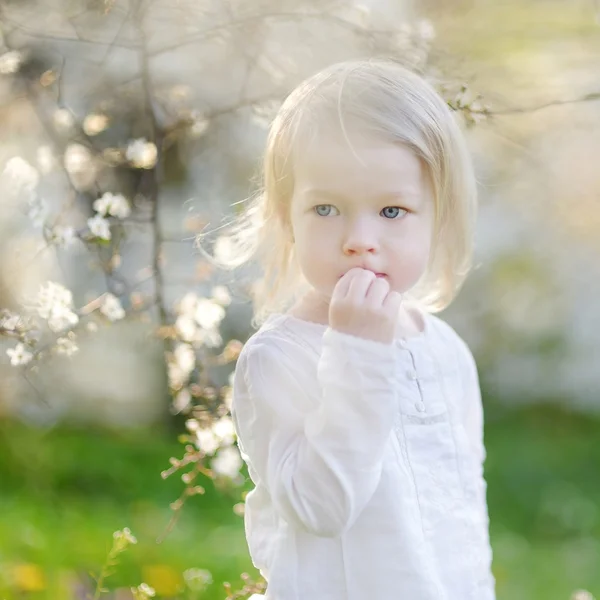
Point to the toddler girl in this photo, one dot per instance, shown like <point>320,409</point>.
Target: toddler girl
<point>358,412</point>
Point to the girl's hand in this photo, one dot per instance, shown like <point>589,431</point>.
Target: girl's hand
<point>363,305</point>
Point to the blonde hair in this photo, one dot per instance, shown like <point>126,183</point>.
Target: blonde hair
<point>396,105</point>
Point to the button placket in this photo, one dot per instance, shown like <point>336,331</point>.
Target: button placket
<point>414,376</point>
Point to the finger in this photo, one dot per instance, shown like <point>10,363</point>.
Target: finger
<point>343,284</point>
<point>393,302</point>
<point>377,292</point>
<point>360,284</point>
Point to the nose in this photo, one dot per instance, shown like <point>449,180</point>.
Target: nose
<point>360,239</point>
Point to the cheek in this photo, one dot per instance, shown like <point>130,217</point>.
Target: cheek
<point>412,258</point>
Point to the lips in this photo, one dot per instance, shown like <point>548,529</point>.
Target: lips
<point>376,274</point>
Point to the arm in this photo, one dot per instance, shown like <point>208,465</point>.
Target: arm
<point>320,458</point>
<point>473,410</point>
<point>473,419</point>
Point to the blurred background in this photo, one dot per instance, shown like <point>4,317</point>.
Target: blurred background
<point>131,126</point>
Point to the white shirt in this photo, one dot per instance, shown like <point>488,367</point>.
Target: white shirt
<point>367,460</point>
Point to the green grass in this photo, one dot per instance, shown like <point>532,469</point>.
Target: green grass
<point>65,491</point>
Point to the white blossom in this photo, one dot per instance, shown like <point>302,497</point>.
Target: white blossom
<point>55,303</point>
<point>125,536</point>
<point>227,462</point>
<point>19,355</point>
<point>46,159</point>
<point>10,62</point>
<point>207,441</point>
<point>582,595</point>
<point>145,591</point>
<point>141,153</point>
<point>111,308</point>
<point>23,175</point>
<point>61,319</point>
<point>188,304</point>
<point>95,123</point>
<point>197,579</point>
<point>78,159</point>
<point>66,346</point>
<point>62,236</point>
<point>185,357</point>
<point>182,400</point>
<point>9,321</point>
<point>186,328</point>
<point>208,313</point>
<point>99,227</point>
<point>50,295</point>
<point>115,205</point>
<point>224,431</point>
<point>221,295</point>
<point>211,338</point>
<point>63,119</point>
<point>176,375</point>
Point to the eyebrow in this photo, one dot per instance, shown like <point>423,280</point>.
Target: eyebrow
<point>404,195</point>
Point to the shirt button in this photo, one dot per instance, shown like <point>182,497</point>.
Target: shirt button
<point>412,375</point>
<point>402,342</point>
<point>420,406</point>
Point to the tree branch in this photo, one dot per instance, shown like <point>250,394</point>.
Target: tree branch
<point>592,97</point>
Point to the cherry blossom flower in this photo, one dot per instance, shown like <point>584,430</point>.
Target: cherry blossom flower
<point>10,62</point>
<point>111,308</point>
<point>186,328</point>
<point>142,153</point>
<point>185,357</point>
<point>55,303</point>
<point>208,313</point>
<point>62,236</point>
<point>66,346</point>
<point>143,592</point>
<point>9,321</point>
<point>224,431</point>
<point>221,295</point>
<point>207,441</point>
<point>24,175</point>
<point>95,123</point>
<point>99,227</point>
<point>115,205</point>
<point>19,355</point>
<point>227,462</point>
<point>197,579</point>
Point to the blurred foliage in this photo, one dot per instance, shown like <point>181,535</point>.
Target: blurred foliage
<point>66,490</point>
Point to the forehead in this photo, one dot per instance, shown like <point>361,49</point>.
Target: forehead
<point>359,162</point>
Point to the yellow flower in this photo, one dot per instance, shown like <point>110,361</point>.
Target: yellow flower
<point>28,578</point>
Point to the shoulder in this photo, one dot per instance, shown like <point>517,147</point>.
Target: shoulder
<point>273,347</point>
<point>274,372</point>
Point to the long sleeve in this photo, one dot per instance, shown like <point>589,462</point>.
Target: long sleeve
<point>474,425</point>
<point>473,408</point>
<point>319,454</point>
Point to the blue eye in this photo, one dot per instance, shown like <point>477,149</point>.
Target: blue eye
<point>323,213</point>
<point>391,212</point>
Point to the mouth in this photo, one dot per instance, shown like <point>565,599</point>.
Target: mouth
<point>376,275</point>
